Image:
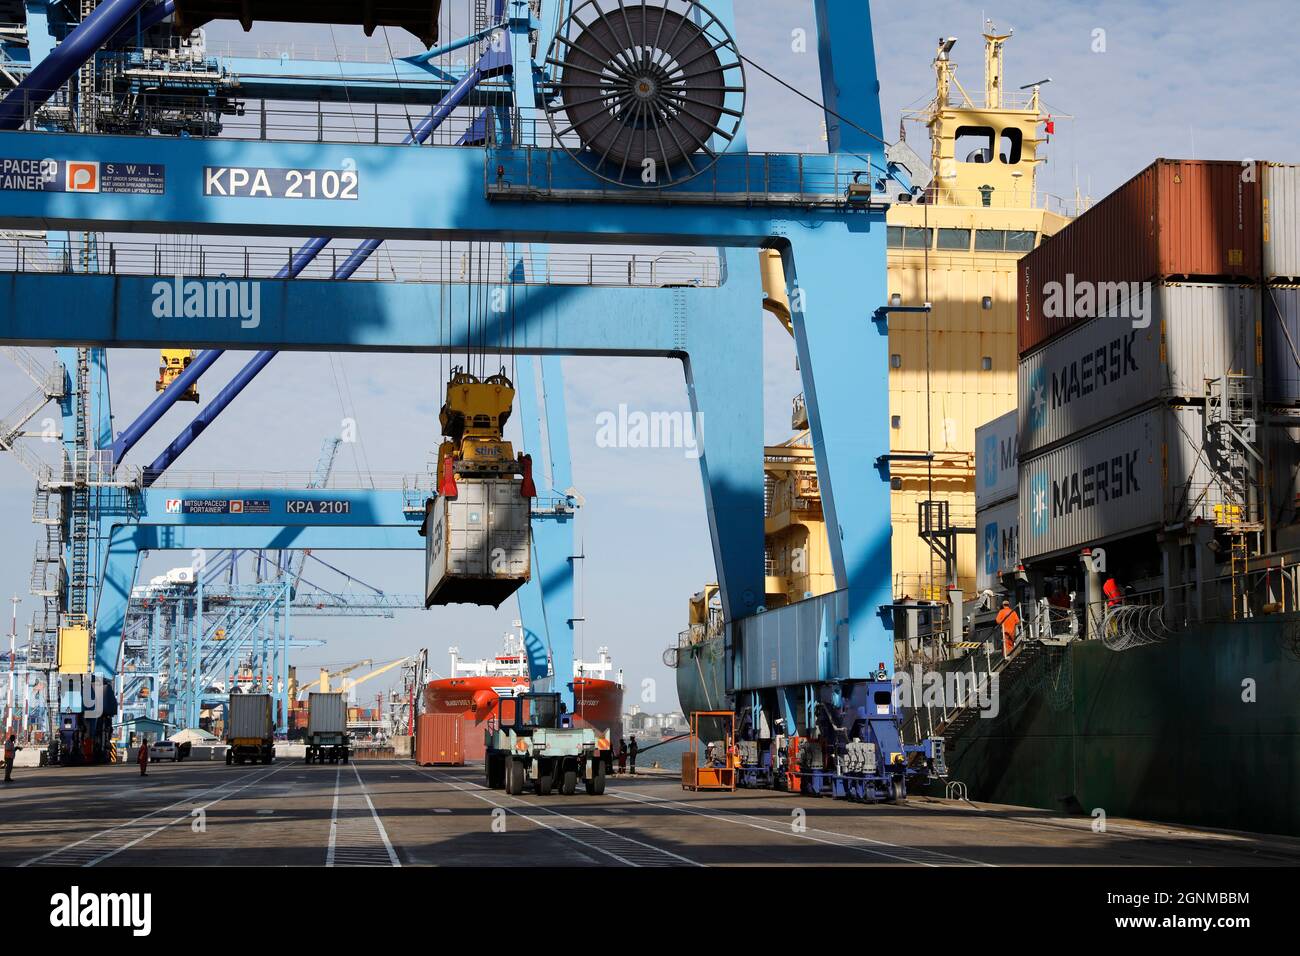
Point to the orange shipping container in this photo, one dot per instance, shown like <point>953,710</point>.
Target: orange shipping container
<point>1177,219</point>
<point>439,740</point>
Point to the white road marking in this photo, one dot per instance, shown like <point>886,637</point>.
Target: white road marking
<point>915,855</point>
<point>353,836</point>
<point>87,851</point>
<point>636,853</point>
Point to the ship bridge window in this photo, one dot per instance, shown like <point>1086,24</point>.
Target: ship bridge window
<point>974,144</point>
<point>1004,240</point>
<point>958,239</point>
<point>1009,148</point>
<point>1019,240</point>
<point>907,237</point>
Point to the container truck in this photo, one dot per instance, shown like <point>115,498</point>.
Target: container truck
<point>250,729</point>
<point>327,728</point>
<point>531,741</point>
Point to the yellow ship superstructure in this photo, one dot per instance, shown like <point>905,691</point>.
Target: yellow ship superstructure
<point>950,369</point>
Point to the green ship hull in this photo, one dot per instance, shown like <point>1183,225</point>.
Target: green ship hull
<point>1203,729</point>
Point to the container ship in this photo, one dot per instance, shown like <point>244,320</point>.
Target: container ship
<point>949,371</point>
<point>473,687</point>
<point>1119,465</point>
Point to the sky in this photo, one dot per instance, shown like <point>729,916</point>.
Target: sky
<point>1130,81</point>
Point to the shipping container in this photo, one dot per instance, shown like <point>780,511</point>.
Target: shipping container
<point>996,451</point>
<point>1148,471</point>
<point>1109,367</point>
<point>997,530</point>
<point>477,545</point>
<point>1281,215</point>
<point>1282,345</point>
<point>1177,219</point>
<point>326,713</point>
<point>439,739</point>
<point>248,717</point>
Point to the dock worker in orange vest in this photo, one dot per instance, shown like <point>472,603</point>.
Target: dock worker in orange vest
<point>1008,619</point>
<point>11,754</point>
<point>1114,596</point>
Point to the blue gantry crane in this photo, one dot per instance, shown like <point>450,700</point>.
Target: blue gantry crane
<point>589,122</point>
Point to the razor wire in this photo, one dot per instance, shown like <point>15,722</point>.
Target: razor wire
<point>1126,626</point>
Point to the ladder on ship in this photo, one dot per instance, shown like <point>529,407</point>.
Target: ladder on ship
<point>1231,416</point>
<point>962,714</point>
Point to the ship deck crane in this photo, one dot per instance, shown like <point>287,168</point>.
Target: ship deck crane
<point>325,675</point>
<point>349,686</point>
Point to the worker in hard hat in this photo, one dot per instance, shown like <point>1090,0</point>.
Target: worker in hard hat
<point>11,754</point>
<point>1008,620</point>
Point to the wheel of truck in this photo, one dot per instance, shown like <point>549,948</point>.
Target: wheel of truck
<point>596,785</point>
<point>569,781</point>
<point>345,756</point>
<point>230,758</point>
<point>496,773</point>
<point>897,790</point>
<point>544,783</point>
<point>514,778</point>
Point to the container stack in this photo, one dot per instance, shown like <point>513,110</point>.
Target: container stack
<point>1133,319</point>
<point>1281,295</point>
<point>997,519</point>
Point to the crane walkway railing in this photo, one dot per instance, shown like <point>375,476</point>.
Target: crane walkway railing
<point>448,263</point>
<point>296,480</point>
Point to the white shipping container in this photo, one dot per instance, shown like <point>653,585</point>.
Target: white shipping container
<point>997,531</point>
<point>996,451</point>
<point>1144,472</point>
<point>1107,368</point>
<point>1281,197</point>
<point>327,713</point>
<point>478,544</point>
<point>248,716</point>
<point>1282,344</point>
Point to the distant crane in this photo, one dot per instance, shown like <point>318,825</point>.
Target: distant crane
<point>344,687</point>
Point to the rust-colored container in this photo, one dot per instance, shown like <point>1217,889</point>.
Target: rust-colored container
<point>1177,219</point>
<point>439,739</point>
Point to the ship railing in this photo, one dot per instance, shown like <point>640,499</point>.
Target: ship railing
<point>1016,199</point>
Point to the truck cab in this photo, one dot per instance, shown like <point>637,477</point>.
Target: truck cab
<point>530,740</point>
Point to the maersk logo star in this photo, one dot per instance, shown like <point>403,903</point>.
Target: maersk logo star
<point>1037,400</point>
<point>991,549</point>
<point>1038,503</point>
<point>990,461</point>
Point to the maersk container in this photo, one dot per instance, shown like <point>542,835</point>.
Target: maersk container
<point>1148,471</point>
<point>327,713</point>
<point>248,717</point>
<point>996,450</point>
<point>477,544</point>
<point>1107,368</point>
<point>1281,214</point>
<point>1177,219</point>
<point>997,535</point>
<point>1282,345</point>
